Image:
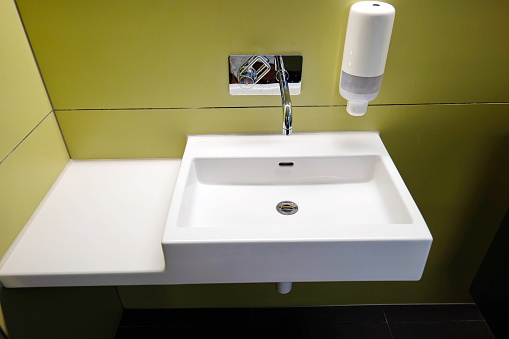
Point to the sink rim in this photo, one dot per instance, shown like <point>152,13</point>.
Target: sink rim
<point>278,146</point>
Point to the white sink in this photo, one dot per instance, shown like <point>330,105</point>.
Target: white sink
<point>352,218</point>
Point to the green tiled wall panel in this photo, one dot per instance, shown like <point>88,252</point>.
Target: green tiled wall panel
<point>23,99</point>
<point>167,54</point>
<point>26,176</point>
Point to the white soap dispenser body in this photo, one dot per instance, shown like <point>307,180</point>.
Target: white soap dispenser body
<point>367,41</point>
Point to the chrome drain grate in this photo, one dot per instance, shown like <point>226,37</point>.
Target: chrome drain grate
<point>287,207</point>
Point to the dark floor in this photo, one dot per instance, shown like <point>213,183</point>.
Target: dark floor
<point>451,321</point>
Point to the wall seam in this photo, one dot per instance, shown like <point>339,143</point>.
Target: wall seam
<point>41,77</point>
<point>276,106</point>
<point>26,136</point>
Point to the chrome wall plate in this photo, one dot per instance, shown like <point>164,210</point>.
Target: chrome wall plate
<point>256,74</point>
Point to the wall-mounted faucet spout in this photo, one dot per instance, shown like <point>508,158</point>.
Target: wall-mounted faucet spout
<point>286,100</point>
<point>261,74</point>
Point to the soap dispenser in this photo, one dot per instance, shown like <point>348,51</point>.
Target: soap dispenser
<point>368,35</point>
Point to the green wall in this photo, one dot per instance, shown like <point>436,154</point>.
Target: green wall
<point>32,152</point>
<point>129,79</point>
<point>116,54</point>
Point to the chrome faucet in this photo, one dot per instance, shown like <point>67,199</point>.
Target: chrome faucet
<point>259,75</point>
<point>286,100</point>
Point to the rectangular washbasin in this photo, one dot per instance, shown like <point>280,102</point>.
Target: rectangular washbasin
<point>306,207</point>
<point>332,191</point>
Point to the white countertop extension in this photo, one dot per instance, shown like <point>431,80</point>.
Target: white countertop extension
<point>64,244</point>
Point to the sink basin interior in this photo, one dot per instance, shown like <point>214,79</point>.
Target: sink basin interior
<point>334,191</point>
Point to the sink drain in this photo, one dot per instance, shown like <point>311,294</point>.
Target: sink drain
<point>287,207</point>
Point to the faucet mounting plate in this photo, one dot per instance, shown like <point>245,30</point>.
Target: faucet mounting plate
<point>259,77</point>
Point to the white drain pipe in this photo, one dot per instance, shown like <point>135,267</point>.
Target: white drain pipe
<point>284,287</point>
